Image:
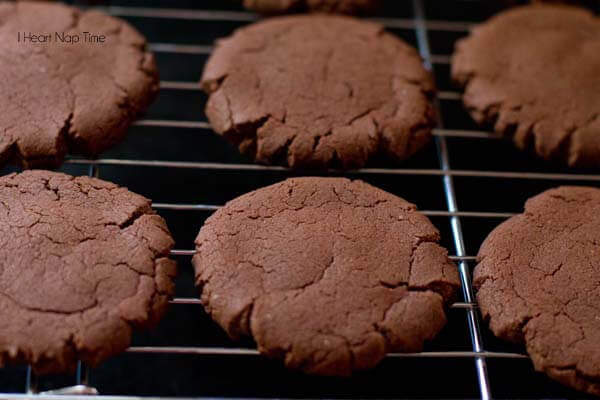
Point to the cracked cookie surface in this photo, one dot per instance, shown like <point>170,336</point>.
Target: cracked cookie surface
<point>319,91</point>
<point>329,6</point>
<point>538,281</point>
<point>57,97</point>
<point>327,274</point>
<point>533,72</point>
<point>82,263</point>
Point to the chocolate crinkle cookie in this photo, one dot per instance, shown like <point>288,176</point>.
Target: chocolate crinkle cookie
<point>327,6</point>
<point>538,281</point>
<point>533,72</point>
<point>319,91</point>
<point>326,274</point>
<point>82,263</point>
<point>70,80</point>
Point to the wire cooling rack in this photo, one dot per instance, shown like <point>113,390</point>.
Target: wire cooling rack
<point>467,182</point>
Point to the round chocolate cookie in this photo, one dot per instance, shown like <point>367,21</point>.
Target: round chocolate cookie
<point>82,263</point>
<point>319,91</point>
<point>70,80</point>
<point>328,6</point>
<point>327,274</point>
<point>533,72</point>
<point>538,281</point>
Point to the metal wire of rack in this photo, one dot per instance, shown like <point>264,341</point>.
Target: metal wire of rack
<point>422,28</point>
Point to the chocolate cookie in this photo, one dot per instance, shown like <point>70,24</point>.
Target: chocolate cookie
<point>327,274</point>
<point>64,89</point>
<point>539,283</point>
<point>319,91</point>
<point>82,263</point>
<point>328,6</point>
<point>533,72</point>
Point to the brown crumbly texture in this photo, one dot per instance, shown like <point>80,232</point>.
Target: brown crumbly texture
<point>533,72</point>
<point>539,283</point>
<point>58,97</point>
<point>319,91</point>
<point>82,263</point>
<point>327,6</point>
<point>327,274</point>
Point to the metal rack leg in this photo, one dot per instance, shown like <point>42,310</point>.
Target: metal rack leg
<point>31,384</point>
<point>82,374</point>
<point>94,171</point>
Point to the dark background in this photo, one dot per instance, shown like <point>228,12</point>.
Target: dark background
<point>187,325</point>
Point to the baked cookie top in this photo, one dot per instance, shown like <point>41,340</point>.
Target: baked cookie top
<point>62,89</point>
<point>326,274</point>
<point>319,91</point>
<point>82,262</point>
<point>533,72</point>
<point>538,282</point>
<point>329,6</point>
